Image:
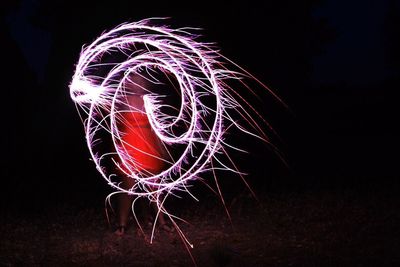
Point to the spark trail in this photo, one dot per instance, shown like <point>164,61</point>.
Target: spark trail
<point>143,55</point>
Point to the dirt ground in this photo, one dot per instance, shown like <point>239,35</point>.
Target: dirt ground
<point>307,229</point>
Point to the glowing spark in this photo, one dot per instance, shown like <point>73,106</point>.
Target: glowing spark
<point>102,85</point>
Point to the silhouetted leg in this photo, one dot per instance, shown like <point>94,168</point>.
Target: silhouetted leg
<point>124,207</point>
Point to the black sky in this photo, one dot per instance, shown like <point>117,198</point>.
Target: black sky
<point>331,61</point>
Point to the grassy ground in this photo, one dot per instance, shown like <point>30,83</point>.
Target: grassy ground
<point>307,229</point>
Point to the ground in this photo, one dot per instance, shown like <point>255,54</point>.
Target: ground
<point>280,229</point>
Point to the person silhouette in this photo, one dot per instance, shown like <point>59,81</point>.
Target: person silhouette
<point>143,152</point>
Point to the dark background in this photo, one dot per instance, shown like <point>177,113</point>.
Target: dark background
<point>334,63</point>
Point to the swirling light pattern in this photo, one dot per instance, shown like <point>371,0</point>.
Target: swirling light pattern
<point>143,55</point>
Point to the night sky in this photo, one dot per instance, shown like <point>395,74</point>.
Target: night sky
<point>334,63</point>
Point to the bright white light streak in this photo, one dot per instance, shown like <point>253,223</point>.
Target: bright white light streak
<point>208,106</point>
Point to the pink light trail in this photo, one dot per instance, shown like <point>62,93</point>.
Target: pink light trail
<point>208,106</point>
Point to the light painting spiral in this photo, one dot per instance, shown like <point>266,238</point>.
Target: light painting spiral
<point>183,86</point>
